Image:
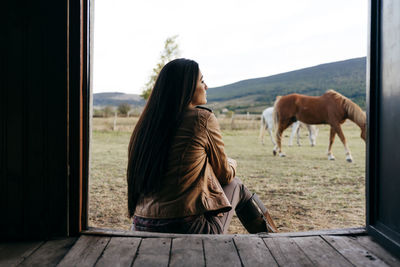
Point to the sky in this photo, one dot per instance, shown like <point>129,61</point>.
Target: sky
<point>232,40</point>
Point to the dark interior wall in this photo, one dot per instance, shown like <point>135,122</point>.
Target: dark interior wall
<point>34,132</point>
<point>383,165</point>
<point>389,189</point>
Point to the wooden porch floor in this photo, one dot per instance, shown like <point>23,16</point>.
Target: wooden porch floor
<point>346,247</point>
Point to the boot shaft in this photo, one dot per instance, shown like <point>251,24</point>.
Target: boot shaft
<point>255,217</point>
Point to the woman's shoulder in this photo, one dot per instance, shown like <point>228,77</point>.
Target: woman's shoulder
<point>205,114</point>
<point>200,114</point>
<point>198,111</point>
<point>204,109</point>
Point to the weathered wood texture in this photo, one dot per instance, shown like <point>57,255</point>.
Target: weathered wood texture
<point>114,232</point>
<point>220,250</point>
<point>12,254</point>
<point>49,253</point>
<point>153,252</point>
<point>178,250</point>
<point>187,248</point>
<point>253,252</point>
<point>286,252</point>
<point>320,252</point>
<point>120,251</point>
<point>85,252</point>
<point>353,251</point>
<point>369,243</point>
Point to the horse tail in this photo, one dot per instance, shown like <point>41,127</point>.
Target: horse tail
<point>275,114</point>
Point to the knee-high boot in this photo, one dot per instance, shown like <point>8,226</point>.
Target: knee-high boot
<point>255,217</point>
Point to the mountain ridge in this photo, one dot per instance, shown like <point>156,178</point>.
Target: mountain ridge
<point>348,77</point>
<point>117,98</point>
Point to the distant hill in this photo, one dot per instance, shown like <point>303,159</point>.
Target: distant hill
<point>347,77</point>
<point>115,99</point>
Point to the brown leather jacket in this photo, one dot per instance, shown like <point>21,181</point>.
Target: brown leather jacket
<point>197,166</point>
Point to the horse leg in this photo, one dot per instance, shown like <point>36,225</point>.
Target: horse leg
<point>314,133</point>
<point>272,136</point>
<point>298,135</point>
<point>311,134</point>
<point>331,139</point>
<point>278,145</point>
<point>339,131</point>
<point>262,129</point>
<point>281,128</point>
<point>295,126</point>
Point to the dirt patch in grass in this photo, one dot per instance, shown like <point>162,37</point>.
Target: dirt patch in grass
<point>303,191</point>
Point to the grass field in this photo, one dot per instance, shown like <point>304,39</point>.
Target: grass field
<point>303,191</point>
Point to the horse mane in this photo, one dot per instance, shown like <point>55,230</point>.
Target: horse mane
<point>354,112</point>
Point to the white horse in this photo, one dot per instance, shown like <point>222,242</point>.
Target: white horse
<point>267,122</point>
<point>312,133</point>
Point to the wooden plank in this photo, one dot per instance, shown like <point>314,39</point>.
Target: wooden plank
<point>345,231</point>
<point>120,251</point>
<point>112,232</point>
<point>12,254</point>
<point>253,252</point>
<point>221,251</point>
<point>50,253</point>
<point>153,252</point>
<point>85,252</point>
<point>320,252</point>
<point>286,252</point>
<point>353,251</point>
<point>369,243</point>
<point>187,251</point>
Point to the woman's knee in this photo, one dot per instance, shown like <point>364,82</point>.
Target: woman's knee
<point>236,185</point>
<point>233,184</point>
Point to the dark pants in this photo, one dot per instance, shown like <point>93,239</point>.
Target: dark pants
<point>237,194</point>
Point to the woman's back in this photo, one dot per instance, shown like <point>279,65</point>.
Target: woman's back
<point>196,155</point>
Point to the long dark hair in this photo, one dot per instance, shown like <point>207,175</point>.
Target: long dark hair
<point>151,139</point>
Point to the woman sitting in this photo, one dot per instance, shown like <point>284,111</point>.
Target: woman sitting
<point>179,178</point>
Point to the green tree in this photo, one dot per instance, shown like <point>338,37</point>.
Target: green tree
<point>170,52</point>
<point>108,111</point>
<point>124,108</point>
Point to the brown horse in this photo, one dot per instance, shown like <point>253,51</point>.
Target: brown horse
<point>331,108</point>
